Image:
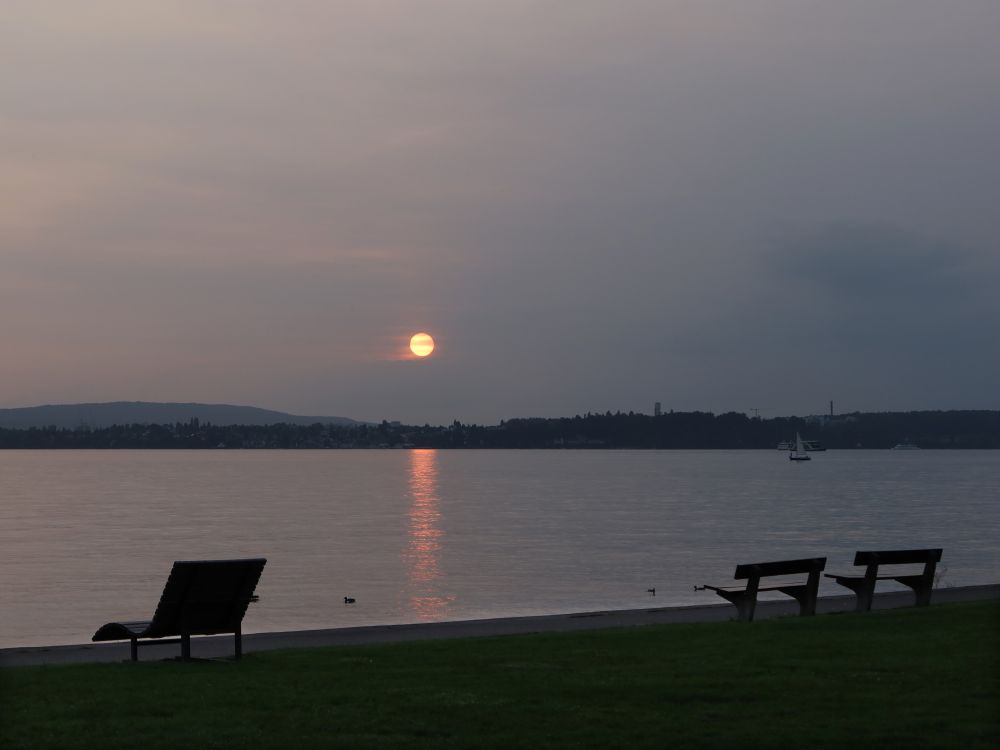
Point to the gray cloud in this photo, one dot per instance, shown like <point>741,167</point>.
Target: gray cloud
<point>889,288</point>
<point>872,316</point>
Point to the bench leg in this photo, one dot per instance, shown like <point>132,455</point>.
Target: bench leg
<point>806,599</point>
<point>239,642</point>
<point>186,647</point>
<point>806,595</point>
<point>921,586</point>
<point>923,596</point>
<point>864,591</point>
<point>134,647</point>
<point>745,604</point>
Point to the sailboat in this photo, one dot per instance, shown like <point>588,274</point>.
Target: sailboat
<point>799,454</point>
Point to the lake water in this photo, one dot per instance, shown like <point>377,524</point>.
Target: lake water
<point>89,536</point>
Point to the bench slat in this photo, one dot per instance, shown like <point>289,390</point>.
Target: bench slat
<point>857,577</point>
<point>776,587</point>
<point>897,556</point>
<point>780,567</point>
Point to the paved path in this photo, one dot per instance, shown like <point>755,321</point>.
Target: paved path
<point>216,646</point>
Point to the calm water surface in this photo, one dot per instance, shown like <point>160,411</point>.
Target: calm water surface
<point>89,536</point>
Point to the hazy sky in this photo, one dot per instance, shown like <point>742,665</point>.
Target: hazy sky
<point>590,205</point>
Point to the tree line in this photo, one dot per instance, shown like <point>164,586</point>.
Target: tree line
<point>673,430</point>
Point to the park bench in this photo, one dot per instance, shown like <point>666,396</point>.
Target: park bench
<point>864,585</point>
<point>745,597</point>
<point>200,597</point>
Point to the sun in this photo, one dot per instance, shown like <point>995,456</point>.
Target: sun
<point>421,344</point>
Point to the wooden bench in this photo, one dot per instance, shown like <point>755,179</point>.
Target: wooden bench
<point>864,585</point>
<point>745,597</point>
<point>201,597</point>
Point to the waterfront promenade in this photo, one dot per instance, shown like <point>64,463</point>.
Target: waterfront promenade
<point>221,646</point>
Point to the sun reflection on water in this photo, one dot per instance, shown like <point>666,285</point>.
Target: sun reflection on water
<point>423,551</point>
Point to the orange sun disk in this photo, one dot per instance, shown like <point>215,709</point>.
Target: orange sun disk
<point>421,344</point>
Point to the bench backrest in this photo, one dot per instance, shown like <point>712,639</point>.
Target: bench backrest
<point>898,556</point>
<point>203,597</point>
<point>781,567</point>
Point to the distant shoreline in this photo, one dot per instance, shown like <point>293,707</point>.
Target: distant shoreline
<point>674,430</point>
<point>454,448</point>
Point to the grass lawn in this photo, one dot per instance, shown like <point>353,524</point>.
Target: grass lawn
<point>911,678</point>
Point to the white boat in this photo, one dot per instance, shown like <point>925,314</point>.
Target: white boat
<point>809,445</point>
<point>905,447</point>
<point>799,454</point>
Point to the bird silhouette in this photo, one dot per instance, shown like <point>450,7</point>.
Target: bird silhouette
<point>349,600</point>
<point>651,592</point>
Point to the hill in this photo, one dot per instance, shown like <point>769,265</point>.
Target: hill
<point>96,416</point>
